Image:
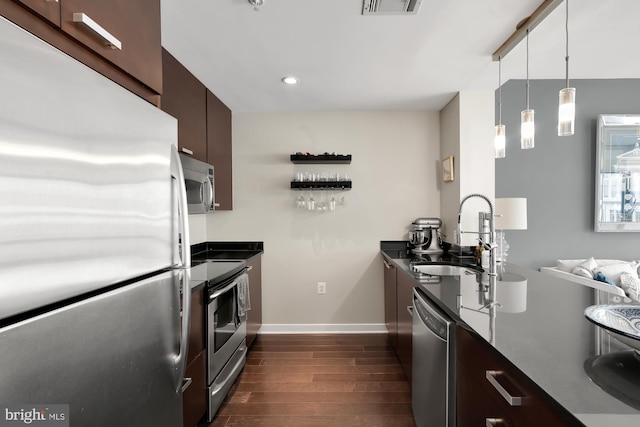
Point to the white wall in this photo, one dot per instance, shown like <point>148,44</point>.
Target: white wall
<point>450,146</point>
<point>395,180</point>
<point>467,134</point>
<point>197,229</point>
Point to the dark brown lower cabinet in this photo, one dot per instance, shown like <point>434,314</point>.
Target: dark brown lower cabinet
<point>194,397</point>
<point>404,304</point>
<point>391,303</point>
<point>254,316</point>
<point>479,399</point>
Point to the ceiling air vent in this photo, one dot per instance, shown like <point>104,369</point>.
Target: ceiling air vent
<point>390,7</point>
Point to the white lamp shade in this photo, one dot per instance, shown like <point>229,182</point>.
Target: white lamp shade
<point>511,213</point>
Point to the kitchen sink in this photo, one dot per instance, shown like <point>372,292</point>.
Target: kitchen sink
<point>442,269</point>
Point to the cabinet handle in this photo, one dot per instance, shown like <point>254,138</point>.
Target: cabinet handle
<point>82,18</point>
<point>217,205</point>
<point>186,151</point>
<point>511,400</point>
<point>386,264</point>
<point>494,422</point>
<point>186,382</point>
<point>52,1</point>
<point>410,310</point>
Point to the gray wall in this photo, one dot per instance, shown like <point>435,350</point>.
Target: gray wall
<point>558,176</point>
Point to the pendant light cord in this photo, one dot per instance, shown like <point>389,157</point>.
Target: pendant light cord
<point>567,41</point>
<point>499,90</point>
<point>527,68</point>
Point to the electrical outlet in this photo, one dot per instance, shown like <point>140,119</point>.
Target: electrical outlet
<point>322,288</point>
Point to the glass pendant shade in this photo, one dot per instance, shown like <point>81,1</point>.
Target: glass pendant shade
<point>567,111</point>
<point>527,129</point>
<point>500,141</point>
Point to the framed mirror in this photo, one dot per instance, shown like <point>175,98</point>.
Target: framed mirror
<point>617,204</point>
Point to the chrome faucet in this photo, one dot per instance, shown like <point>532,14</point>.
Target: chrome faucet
<point>488,244</point>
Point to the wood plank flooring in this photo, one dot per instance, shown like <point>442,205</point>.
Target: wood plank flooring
<point>340,380</point>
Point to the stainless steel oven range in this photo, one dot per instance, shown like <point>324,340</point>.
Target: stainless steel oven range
<point>227,300</point>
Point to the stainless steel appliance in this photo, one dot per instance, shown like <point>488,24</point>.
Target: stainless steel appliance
<point>199,183</point>
<point>424,236</point>
<point>433,371</point>
<point>228,299</point>
<point>94,244</point>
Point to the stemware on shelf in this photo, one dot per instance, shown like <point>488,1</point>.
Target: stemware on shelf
<point>311,202</point>
<point>332,203</point>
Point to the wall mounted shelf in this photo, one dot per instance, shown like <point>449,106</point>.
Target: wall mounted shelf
<point>321,185</point>
<point>321,158</point>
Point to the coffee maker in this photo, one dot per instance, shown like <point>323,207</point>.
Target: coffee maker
<point>424,236</point>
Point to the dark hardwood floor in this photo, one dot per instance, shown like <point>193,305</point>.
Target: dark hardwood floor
<point>319,380</point>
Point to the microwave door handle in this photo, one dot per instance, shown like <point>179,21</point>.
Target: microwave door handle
<point>177,175</point>
<point>208,190</point>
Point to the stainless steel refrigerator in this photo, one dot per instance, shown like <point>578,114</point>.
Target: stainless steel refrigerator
<point>94,246</point>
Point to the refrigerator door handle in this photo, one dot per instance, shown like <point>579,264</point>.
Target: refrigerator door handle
<point>181,358</point>
<point>177,175</point>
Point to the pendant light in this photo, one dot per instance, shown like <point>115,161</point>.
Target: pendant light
<point>500,137</point>
<point>527,126</point>
<point>567,96</point>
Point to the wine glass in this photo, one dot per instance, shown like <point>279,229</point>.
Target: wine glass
<point>300,201</point>
<point>332,203</point>
<point>311,202</point>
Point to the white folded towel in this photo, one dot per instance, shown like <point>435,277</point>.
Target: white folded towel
<point>244,299</point>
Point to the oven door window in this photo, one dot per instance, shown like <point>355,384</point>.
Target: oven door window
<point>225,318</point>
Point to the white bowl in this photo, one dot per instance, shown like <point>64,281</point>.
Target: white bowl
<point>620,320</point>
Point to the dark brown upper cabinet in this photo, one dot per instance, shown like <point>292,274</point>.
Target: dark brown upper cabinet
<point>185,98</point>
<point>137,65</point>
<point>47,9</point>
<point>219,151</point>
<point>125,33</point>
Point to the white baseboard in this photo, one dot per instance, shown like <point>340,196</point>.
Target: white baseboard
<point>365,328</point>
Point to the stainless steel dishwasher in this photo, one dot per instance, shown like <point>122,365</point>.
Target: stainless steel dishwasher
<point>433,379</point>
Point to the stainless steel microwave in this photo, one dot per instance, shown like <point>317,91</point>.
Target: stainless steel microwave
<point>199,182</point>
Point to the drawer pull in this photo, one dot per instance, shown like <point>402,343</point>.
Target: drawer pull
<point>186,151</point>
<point>494,422</point>
<point>84,19</point>
<point>511,400</point>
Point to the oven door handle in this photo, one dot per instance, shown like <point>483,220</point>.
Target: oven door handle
<point>219,292</point>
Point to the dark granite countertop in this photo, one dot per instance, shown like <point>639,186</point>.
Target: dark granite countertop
<point>224,257</point>
<point>542,330</point>
<point>225,250</point>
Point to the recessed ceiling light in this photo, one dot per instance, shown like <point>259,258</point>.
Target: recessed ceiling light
<point>290,80</point>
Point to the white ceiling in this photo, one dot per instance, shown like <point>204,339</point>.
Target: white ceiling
<point>347,61</point>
